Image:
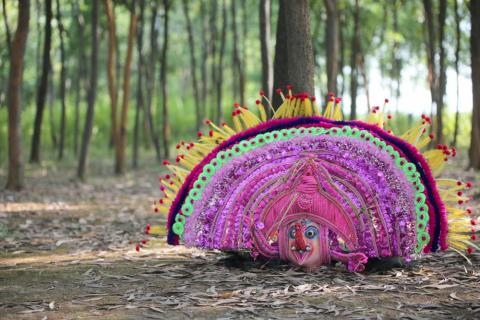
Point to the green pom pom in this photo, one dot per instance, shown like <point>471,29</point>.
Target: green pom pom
<point>187,207</point>
<point>180,218</point>
<point>177,228</point>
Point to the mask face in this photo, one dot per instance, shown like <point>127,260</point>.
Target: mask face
<point>307,244</point>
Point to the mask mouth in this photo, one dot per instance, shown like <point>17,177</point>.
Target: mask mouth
<point>301,255</point>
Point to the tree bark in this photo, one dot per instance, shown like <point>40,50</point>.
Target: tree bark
<point>150,76</point>
<point>63,71</point>
<point>396,58</point>
<point>92,93</point>
<point>458,38</point>
<point>122,135</point>
<point>15,161</point>
<point>267,72</point>
<point>355,59</point>
<point>7,27</point>
<point>332,44</point>
<point>223,40</point>
<point>442,73</point>
<point>193,66</point>
<point>430,47</point>
<point>163,82</point>
<point>294,63</point>
<point>112,74</point>
<point>475,61</point>
<point>43,85</point>
<point>139,107</point>
<point>81,74</point>
<point>213,50</point>
<point>203,66</point>
<point>238,76</point>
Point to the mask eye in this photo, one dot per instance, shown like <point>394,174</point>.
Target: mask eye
<point>291,233</point>
<point>311,232</point>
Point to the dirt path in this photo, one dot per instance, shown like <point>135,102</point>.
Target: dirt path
<point>67,252</point>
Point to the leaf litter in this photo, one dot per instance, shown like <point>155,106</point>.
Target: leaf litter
<point>69,250</point>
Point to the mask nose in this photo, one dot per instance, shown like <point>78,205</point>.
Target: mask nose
<point>299,240</point>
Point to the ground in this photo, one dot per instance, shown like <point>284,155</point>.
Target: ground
<point>68,252</point>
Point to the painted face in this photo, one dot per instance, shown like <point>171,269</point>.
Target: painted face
<point>307,244</point>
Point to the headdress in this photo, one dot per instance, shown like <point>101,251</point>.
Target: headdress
<point>311,188</point>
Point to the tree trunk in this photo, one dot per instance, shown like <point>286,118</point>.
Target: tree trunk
<point>139,107</point>
<point>355,60</point>
<point>150,76</point>
<point>430,47</point>
<point>475,58</point>
<point>332,44</point>
<point>267,72</point>
<point>15,161</point>
<point>63,71</point>
<point>80,78</point>
<point>122,135</point>
<point>163,82</point>
<point>458,38</point>
<point>238,76</point>
<point>396,57</point>
<point>442,73</point>
<point>294,63</point>
<point>92,93</point>
<point>342,47</point>
<point>43,85</point>
<point>203,66</point>
<point>213,50</point>
<point>193,66</point>
<point>112,74</point>
<point>223,40</point>
<point>7,27</point>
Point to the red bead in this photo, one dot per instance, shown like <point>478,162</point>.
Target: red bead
<point>470,250</point>
<point>257,101</point>
<point>137,248</point>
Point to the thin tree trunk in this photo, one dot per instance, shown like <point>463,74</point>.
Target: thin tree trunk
<point>223,41</point>
<point>294,63</point>
<point>193,66</point>
<point>355,59</point>
<point>112,74</point>
<point>341,62</point>
<point>332,44</point>
<point>203,66</point>
<point>163,82</point>
<point>122,136</point>
<point>150,76</point>
<point>92,93</point>
<point>396,60</point>
<point>139,107</point>
<point>267,72</point>
<point>14,100</point>
<point>63,71</point>
<point>51,94</point>
<point>363,71</point>
<point>458,38</point>
<point>43,85</point>
<point>475,58</point>
<point>7,27</point>
<point>442,73</point>
<point>213,50</point>
<point>430,47</point>
<point>238,76</point>
<point>80,78</point>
